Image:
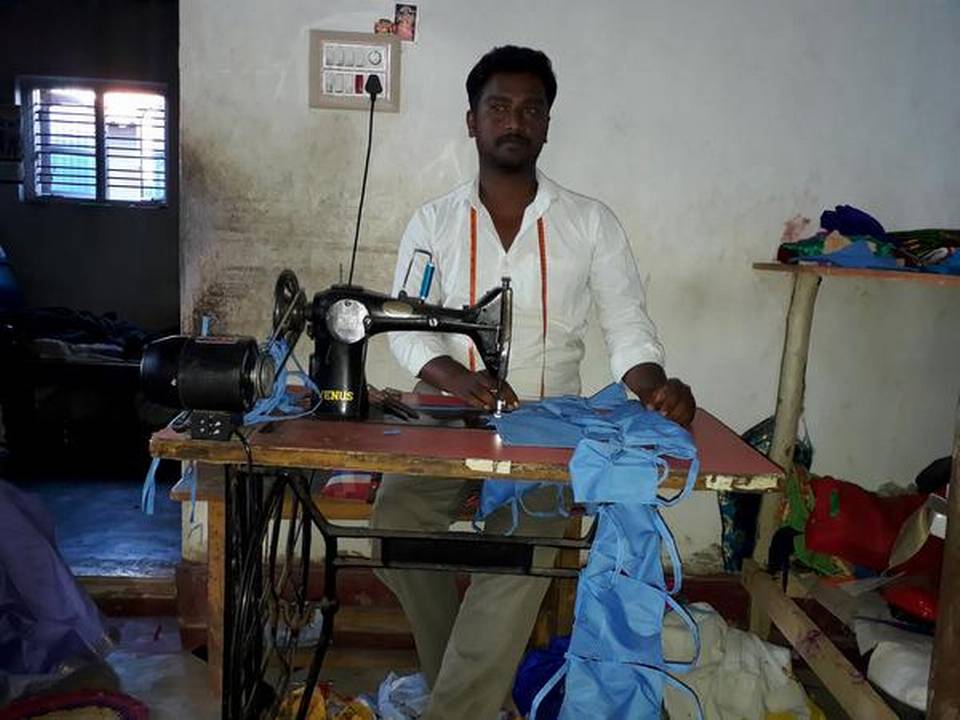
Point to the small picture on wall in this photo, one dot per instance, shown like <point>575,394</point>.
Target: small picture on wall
<point>383,26</point>
<point>405,21</point>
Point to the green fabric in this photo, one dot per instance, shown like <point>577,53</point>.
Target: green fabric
<point>799,505</point>
<point>834,503</point>
<point>812,246</point>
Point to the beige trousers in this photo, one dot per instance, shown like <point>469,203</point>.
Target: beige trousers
<point>468,651</point>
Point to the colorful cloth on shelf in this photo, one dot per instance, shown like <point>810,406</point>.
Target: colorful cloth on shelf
<point>860,253</point>
<point>852,238</point>
<point>841,250</point>
<point>931,250</point>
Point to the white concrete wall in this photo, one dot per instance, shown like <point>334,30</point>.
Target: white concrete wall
<point>704,125</point>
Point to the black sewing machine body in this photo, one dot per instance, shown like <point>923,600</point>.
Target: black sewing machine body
<point>220,379</point>
<point>344,317</point>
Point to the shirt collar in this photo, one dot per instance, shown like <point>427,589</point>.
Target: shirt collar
<point>546,193</point>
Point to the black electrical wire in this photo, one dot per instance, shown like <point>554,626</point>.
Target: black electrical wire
<point>245,634</point>
<point>374,90</point>
<point>246,630</point>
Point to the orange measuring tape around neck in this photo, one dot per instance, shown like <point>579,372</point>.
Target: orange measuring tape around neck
<point>542,239</point>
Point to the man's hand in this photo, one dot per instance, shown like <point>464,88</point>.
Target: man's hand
<point>670,397</point>
<point>673,400</point>
<point>477,388</point>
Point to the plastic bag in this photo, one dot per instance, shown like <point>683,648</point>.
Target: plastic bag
<point>902,669</point>
<point>402,698</point>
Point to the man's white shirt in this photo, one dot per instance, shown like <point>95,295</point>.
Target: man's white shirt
<point>588,260</point>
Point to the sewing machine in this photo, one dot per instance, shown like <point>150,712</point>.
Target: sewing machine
<point>220,379</point>
<point>345,316</point>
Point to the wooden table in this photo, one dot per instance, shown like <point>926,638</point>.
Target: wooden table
<point>767,601</point>
<point>726,463</point>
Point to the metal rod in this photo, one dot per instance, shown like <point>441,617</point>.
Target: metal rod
<point>459,567</point>
<point>228,700</point>
<point>328,605</point>
<point>343,531</point>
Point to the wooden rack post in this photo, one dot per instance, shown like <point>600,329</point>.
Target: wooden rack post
<point>944,697</point>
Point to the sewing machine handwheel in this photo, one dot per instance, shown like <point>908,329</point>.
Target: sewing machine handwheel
<point>287,293</point>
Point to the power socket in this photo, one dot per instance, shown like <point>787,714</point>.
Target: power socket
<point>341,62</point>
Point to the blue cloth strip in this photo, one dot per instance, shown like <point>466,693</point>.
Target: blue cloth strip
<point>614,666</point>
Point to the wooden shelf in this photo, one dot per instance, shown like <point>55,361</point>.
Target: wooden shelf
<point>929,278</point>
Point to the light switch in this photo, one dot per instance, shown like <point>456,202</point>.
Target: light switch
<point>340,64</point>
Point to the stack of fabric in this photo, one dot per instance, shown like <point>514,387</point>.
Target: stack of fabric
<point>849,237</point>
<point>615,667</point>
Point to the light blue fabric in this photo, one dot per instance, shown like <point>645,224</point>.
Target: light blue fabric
<point>950,266</point>
<point>149,490</point>
<point>615,666</point>
<point>495,494</point>
<point>631,688</point>
<point>856,255</point>
<point>619,444</point>
<point>555,422</point>
<point>282,404</point>
<point>559,421</point>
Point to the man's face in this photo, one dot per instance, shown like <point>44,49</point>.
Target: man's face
<point>511,120</point>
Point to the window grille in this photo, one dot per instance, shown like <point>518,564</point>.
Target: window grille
<point>90,141</point>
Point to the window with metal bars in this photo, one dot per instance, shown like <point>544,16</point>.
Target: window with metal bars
<point>94,141</point>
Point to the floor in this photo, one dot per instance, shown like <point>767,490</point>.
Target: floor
<point>148,664</point>
<point>101,529</point>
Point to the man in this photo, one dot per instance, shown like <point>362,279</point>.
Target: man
<point>563,251</point>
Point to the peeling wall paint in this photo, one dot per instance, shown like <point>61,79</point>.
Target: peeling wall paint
<point>704,126</point>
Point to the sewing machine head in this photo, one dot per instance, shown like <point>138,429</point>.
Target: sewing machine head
<point>220,379</point>
<point>345,316</point>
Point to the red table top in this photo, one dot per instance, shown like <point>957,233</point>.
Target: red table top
<point>726,461</point>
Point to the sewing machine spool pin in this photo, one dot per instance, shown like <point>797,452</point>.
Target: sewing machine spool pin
<point>426,280</point>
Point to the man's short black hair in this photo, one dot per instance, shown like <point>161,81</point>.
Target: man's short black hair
<point>511,59</point>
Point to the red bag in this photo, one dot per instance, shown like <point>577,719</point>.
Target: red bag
<point>860,527</point>
<point>854,524</point>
